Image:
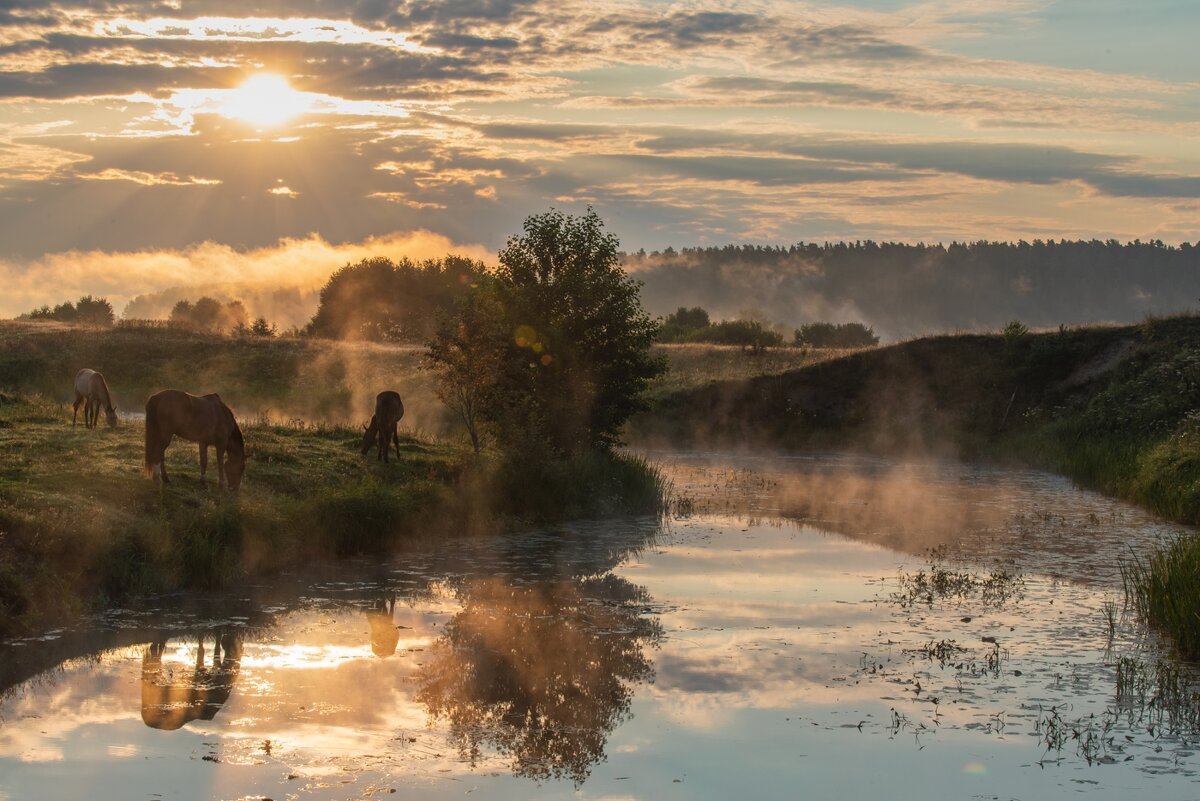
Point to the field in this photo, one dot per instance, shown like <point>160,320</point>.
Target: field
<point>82,527</point>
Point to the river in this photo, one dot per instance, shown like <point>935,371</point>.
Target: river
<point>824,626</point>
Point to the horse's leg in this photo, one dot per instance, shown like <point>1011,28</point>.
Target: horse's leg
<point>204,462</point>
<point>93,412</point>
<point>220,466</point>
<point>162,459</point>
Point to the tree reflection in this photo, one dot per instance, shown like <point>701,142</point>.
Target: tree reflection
<point>542,674</point>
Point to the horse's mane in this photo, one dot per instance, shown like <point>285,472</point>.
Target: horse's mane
<point>108,404</point>
<point>236,436</point>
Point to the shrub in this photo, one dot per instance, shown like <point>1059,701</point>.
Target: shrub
<point>830,335</point>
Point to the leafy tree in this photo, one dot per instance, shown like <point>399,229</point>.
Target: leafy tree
<point>466,355</point>
<point>683,324</point>
<point>88,310</point>
<point>381,300</point>
<point>564,332</point>
<point>94,311</point>
<point>209,314</point>
<point>830,335</point>
<point>261,328</point>
<point>747,333</point>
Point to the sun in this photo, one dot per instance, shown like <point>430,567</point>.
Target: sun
<point>264,100</point>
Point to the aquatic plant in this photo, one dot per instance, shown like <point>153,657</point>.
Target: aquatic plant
<point>1163,586</point>
<point>939,583</point>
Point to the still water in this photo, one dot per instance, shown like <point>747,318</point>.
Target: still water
<point>818,627</point>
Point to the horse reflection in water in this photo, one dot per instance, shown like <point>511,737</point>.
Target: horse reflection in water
<point>170,701</point>
<point>385,635</point>
<point>541,674</point>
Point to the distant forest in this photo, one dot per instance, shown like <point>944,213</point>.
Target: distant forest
<point>830,295</point>
<point>908,290</point>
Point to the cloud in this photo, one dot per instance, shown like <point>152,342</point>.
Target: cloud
<point>772,121</point>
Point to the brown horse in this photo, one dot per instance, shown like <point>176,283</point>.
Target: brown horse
<point>170,701</point>
<point>206,421</point>
<point>91,389</point>
<point>382,429</point>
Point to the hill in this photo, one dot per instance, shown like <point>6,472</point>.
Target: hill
<point>1115,408</point>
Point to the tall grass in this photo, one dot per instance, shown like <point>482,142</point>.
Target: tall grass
<point>1164,587</point>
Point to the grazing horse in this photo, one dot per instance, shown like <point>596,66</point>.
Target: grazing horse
<point>206,421</point>
<point>92,389</point>
<point>382,429</point>
<point>170,702</point>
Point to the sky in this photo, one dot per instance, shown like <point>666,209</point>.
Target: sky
<point>143,134</point>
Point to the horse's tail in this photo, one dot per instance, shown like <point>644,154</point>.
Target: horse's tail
<point>154,454</point>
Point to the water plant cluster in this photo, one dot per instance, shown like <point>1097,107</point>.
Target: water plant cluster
<point>938,583</point>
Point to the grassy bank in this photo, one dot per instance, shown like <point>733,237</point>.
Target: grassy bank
<point>1115,408</point>
<point>311,379</point>
<point>81,526</point>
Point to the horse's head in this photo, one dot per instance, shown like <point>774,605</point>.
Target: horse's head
<point>235,465</point>
<point>369,432</point>
<point>110,414</point>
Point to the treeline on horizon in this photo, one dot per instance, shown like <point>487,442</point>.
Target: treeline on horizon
<point>760,294</point>
<point>902,290</point>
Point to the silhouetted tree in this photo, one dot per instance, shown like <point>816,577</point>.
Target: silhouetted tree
<point>467,355</point>
<point>683,324</point>
<point>210,315</point>
<point>575,347</point>
<point>382,300</point>
<point>830,335</point>
<point>88,311</point>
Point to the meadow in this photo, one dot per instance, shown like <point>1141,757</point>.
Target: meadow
<point>82,528</point>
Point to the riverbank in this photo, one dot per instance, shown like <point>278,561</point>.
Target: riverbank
<point>81,526</point>
<point>1115,408</point>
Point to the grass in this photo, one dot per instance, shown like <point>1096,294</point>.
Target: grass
<point>691,366</point>
<point>1164,587</point>
<point>81,526</point>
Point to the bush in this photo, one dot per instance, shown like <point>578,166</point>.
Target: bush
<point>88,311</point>
<point>683,324</point>
<point>830,335</point>
<point>747,333</point>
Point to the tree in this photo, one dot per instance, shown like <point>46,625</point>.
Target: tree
<point>261,328</point>
<point>94,311</point>
<point>208,314</point>
<point>88,311</point>
<point>564,336</point>
<point>466,356</point>
<point>379,299</point>
<point>829,335</point>
<point>682,325</point>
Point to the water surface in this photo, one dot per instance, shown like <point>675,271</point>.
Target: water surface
<point>820,626</point>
